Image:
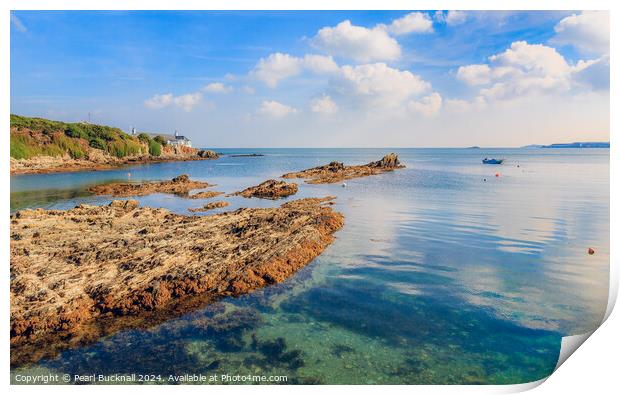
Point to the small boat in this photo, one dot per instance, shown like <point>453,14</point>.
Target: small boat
<point>492,161</point>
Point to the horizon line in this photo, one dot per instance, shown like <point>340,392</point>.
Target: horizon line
<point>469,147</point>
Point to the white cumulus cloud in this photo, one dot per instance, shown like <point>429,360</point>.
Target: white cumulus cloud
<point>324,105</point>
<point>456,17</point>
<point>319,64</point>
<point>357,42</point>
<point>527,69</point>
<point>274,109</point>
<point>217,87</point>
<point>378,84</point>
<point>280,66</point>
<point>532,69</point>
<point>474,74</point>
<point>186,102</point>
<point>428,106</point>
<point>588,32</point>
<point>592,73</point>
<point>414,22</point>
<point>159,101</point>
<point>276,67</point>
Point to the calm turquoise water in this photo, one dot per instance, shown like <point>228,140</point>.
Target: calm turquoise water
<point>437,277</point>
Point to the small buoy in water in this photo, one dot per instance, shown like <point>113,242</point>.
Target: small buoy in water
<point>128,175</point>
<point>484,179</point>
<point>591,251</point>
<point>344,184</point>
<point>496,174</point>
<point>518,166</point>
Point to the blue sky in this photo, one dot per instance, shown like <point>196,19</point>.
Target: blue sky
<point>397,78</point>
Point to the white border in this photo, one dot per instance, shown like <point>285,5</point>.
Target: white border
<point>595,366</point>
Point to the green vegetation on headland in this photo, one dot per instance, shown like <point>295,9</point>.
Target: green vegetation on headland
<point>31,137</point>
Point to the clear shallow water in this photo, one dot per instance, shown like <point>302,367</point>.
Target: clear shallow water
<point>437,277</point>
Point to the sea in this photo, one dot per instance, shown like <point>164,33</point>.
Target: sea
<point>448,271</point>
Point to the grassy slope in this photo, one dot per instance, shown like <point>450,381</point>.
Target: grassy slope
<point>31,137</point>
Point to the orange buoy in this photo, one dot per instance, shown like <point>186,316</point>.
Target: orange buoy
<point>496,174</point>
<point>591,251</point>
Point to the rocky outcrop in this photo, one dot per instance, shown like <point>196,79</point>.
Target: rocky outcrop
<point>180,185</point>
<point>389,161</point>
<point>246,155</point>
<point>270,189</point>
<point>65,290</point>
<point>210,206</point>
<point>207,154</point>
<point>337,171</point>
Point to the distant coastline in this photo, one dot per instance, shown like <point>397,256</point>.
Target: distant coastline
<point>572,145</point>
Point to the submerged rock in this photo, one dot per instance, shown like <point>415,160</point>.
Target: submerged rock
<point>337,171</point>
<point>205,195</point>
<point>245,155</point>
<point>274,352</point>
<point>210,206</point>
<point>270,189</point>
<point>92,265</point>
<point>180,185</point>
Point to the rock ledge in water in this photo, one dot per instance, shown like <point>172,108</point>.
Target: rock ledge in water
<point>270,189</point>
<point>337,171</point>
<point>180,185</point>
<point>75,272</point>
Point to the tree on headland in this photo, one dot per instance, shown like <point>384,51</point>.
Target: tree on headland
<point>161,140</point>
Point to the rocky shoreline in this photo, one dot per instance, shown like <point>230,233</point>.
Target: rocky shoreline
<point>146,259</point>
<point>99,161</point>
<point>337,171</point>
<point>151,264</point>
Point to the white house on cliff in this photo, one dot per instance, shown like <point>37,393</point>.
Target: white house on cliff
<point>171,139</point>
